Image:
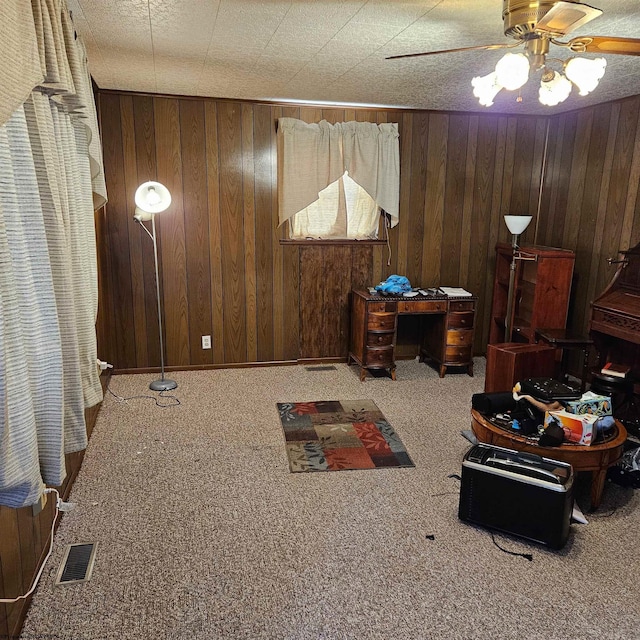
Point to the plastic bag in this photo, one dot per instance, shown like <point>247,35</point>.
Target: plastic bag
<point>626,472</point>
<point>394,285</point>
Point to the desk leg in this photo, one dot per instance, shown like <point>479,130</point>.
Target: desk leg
<point>393,372</point>
<point>443,370</point>
<point>363,374</point>
<point>597,487</point>
<point>470,369</point>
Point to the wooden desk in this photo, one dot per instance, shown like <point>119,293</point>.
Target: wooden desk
<point>596,458</point>
<point>447,338</point>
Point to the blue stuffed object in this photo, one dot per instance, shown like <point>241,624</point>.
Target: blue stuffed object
<point>394,285</point>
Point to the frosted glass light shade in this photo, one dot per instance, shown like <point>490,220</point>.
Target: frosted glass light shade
<point>517,224</point>
<point>512,71</point>
<point>485,88</point>
<point>585,73</point>
<point>152,197</point>
<point>554,91</point>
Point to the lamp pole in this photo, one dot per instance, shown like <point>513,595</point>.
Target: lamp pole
<point>164,384</point>
<point>152,198</point>
<point>508,325</point>
<point>516,225</point>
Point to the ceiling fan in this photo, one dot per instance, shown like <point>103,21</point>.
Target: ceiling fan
<point>536,24</point>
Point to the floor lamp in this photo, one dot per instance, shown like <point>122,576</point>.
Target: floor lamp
<point>152,198</point>
<point>516,225</point>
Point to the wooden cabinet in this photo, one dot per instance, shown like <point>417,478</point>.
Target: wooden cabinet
<point>511,362</point>
<point>542,289</point>
<point>446,330</point>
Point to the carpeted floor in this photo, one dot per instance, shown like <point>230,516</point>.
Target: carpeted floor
<point>203,532</point>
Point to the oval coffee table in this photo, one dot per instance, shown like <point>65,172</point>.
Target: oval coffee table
<point>596,458</point>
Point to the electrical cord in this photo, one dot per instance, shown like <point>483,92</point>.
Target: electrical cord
<point>605,515</point>
<point>456,476</point>
<point>526,556</point>
<point>387,224</point>
<point>175,402</point>
<point>37,578</point>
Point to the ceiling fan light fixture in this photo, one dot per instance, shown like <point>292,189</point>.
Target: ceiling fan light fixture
<point>585,73</point>
<point>512,71</point>
<point>555,90</point>
<point>485,88</point>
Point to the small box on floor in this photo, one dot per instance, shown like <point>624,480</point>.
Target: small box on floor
<point>590,403</point>
<point>579,429</point>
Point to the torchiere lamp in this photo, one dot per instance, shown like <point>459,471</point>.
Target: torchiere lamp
<point>516,225</point>
<point>152,198</point>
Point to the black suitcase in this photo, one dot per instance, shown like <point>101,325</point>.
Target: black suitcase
<point>519,493</point>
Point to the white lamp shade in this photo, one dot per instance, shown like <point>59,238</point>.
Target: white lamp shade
<point>485,88</point>
<point>512,71</point>
<point>517,224</point>
<point>585,73</point>
<point>554,91</point>
<point>152,197</point>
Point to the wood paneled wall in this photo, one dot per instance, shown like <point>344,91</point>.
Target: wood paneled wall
<point>590,194</point>
<point>225,273</point>
<point>24,541</point>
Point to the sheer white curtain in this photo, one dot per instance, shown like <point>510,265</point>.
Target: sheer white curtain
<point>325,170</point>
<point>50,178</point>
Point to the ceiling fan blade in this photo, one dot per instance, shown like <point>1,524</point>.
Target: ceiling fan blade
<point>565,17</point>
<point>433,53</point>
<point>604,44</point>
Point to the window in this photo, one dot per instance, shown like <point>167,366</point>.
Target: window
<point>334,180</point>
<point>343,210</point>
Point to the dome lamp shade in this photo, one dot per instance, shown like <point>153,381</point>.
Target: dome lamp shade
<point>152,197</point>
<point>517,224</point>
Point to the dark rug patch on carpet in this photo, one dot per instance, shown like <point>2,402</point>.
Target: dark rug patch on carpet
<point>332,435</point>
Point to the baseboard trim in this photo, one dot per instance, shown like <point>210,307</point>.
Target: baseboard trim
<point>230,365</point>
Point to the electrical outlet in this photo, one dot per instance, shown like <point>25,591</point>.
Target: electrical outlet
<point>206,342</point>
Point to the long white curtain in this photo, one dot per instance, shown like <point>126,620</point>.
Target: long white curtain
<point>50,180</point>
<point>312,156</point>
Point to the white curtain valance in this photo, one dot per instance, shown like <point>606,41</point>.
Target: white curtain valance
<point>312,156</point>
<point>20,69</point>
<point>40,50</point>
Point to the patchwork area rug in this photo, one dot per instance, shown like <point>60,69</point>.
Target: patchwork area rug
<point>333,435</point>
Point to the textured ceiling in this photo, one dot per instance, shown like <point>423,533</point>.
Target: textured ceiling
<point>327,51</point>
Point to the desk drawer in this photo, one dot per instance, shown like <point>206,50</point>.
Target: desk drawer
<point>382,306</point>
<point>381,321</point>
<point>379,339</point>
<point>460,337</point>
<point>379,356</point>
<point>422,306</point>
<point>457,354</point>
<point>462,305</point>
<point>460,319</point>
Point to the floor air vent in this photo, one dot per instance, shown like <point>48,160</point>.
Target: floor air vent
<point>322,367</point>
<point>77,563</point>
